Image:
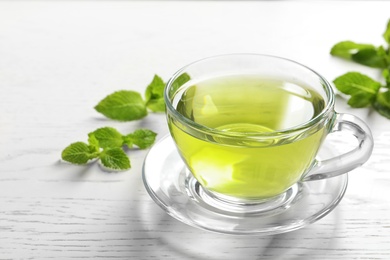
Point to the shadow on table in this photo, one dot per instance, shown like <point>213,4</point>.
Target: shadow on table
<point>175,240</point>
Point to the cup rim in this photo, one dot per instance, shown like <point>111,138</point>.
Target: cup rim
<point>209,130</point>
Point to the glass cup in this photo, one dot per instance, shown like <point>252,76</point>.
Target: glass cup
<point>248,128</point>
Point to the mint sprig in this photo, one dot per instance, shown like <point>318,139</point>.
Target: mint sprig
<point>363,90</point>
<point>128,105</point>
<point>107,145</point>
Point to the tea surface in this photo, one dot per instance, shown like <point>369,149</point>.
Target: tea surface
<point>246,105</point>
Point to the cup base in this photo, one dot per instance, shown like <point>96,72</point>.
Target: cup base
<point>234,206</point>
<point>170,185</point>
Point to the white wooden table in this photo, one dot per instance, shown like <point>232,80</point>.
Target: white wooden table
<point>59,58</point>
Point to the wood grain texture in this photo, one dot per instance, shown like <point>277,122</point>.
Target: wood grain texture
<point>59,58</point>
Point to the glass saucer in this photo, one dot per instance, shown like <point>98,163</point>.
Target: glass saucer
<point>169,183</point>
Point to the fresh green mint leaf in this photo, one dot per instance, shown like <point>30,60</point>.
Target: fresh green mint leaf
<point>143,138</point>
<point>361,88</point>
<point>79,153</point>
<point>382,103</point>
<point>115,159</point>
<point>154,95</point>
<point>124,105</point>
<point>372,57</point>
<point>156,105</point>
<point>346,49</point>
<point>386,34</point>
<point>107,137</point>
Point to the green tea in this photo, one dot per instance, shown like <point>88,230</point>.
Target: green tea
<point>237,163</point>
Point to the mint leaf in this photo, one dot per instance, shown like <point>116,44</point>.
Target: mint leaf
<point>346,49</point>
<point>111,140</point>
<point>386,34</point>
<point>143,138</point>
<point>372,57</point>
<point>79,153</point>
<point>115,159</point>
<point>365,54</point>
<point>93,142</point>
<point>124,105</point>
<point>154,95</point>
<point>107,137</point>
<point>157,105</point>
<point>361,88</point>
<point>382,103</point>
<point>360,100</point>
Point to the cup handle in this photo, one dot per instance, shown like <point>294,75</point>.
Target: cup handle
<point>348,161</point>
